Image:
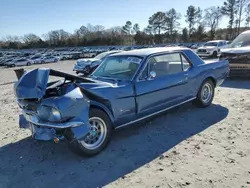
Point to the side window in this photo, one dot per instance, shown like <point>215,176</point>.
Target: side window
<point>185,63</point>
<point>166,64</point>
<point>144,74</point>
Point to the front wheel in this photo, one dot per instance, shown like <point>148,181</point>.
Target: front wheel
<point>215,54</point>
<point>205,95</point>
<point>98,136</point>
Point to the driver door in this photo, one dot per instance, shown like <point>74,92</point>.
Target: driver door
<point>169,87</point>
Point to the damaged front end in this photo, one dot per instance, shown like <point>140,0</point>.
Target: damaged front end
<point>239,62</point>
<point>52,110</point>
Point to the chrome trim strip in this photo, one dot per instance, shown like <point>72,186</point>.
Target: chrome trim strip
<point>36,121</point>
<point>124,125</point>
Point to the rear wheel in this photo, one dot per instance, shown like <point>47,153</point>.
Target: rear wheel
<point>28,64</point>
<point>205,95</point>
<point>98,136</point>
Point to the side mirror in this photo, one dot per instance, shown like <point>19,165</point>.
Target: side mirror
<point>152,75</point>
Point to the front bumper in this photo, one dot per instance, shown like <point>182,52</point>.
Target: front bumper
<point>42,130</point>
<point>205,54</point>
<point>34,119</point>
<point>239,71</point>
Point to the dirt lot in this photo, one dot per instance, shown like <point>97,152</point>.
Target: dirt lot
<point>189,147</point>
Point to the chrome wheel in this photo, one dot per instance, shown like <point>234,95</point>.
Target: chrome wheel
<point>207,93</point>
<point>96,135</point>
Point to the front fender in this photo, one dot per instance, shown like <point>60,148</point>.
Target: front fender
<point>74,106</point>
<point>104,108</point>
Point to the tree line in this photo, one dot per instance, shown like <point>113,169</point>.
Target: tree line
<point>163,27</point>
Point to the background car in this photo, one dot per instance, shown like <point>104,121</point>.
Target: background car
<point>88,65</point>
<point>238,55</point>
<point>36,58</point>
<point>19,62</point>
<point>212,48</point>
<point>49,59</point>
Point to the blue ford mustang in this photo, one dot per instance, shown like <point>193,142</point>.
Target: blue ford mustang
<point>126,88</point>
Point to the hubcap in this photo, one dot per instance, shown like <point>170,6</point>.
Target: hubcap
<point>96,135</point>
<point>207,93</point>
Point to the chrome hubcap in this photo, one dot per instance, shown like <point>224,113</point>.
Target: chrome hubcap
<point>96,135</point>
<point>207,93</point>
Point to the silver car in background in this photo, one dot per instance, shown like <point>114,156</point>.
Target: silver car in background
<point>50,59</point>
<point>19,62</point>
<point>88,65</point>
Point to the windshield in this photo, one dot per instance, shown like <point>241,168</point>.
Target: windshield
<point>241,41</point>
<point>35,57</point>
<point>102,55</point>
<point>211,44</point>
<point>118,67</point>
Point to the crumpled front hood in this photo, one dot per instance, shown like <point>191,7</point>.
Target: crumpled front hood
<point>238,50</point>
<point>32,85</point>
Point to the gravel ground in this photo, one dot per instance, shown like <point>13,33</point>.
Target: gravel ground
<point>187,147</point>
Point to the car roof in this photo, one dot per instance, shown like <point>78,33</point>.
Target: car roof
<point>246,32</point>
<point>149,51</point>
<point>217,41</point>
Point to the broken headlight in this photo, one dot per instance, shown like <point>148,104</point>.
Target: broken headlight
<point>48,113</point>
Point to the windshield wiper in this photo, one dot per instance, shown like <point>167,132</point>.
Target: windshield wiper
<point>110,78</point>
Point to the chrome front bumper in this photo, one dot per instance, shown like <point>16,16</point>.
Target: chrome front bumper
<point>34,119</point>
<point>48,131</point>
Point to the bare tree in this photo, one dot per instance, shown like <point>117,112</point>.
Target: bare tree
<point>193,17</point>
<point>247,10</point>
<point>212,18</point>
<point>229,9</point>
<point>172,23</point>
<point>31,38</point>
<point>241,4</point>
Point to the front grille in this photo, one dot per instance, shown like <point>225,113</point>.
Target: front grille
<point>202,50</point>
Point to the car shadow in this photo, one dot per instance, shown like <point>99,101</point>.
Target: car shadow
<point>238,83</point>
<point>29,163</point>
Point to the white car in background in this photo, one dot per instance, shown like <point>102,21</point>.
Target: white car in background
<point>212,48</point>
<point>50,59</point>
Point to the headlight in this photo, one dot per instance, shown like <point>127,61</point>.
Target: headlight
<point>48,113</point>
